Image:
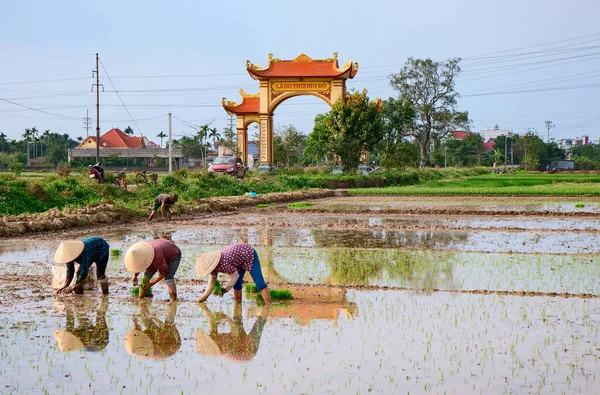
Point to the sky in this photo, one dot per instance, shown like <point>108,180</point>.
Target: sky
<point>524,62</point>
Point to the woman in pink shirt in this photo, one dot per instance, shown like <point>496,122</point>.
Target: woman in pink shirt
<point>160,255</point>
<point>234,260</point>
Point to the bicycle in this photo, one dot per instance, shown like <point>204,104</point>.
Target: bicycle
<point>145,177</point>
<point>120,180</point>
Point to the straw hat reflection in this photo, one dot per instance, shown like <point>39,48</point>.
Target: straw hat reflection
<point>158,340</point>
<point>68,250</point>
<point>67,341</point>
<point>139,344</point>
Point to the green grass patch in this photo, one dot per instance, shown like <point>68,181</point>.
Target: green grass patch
<point>579,205</point>
<point>135,291</point>
<point>299,205</point>
<point>499,184</point>
<point>115,252</point>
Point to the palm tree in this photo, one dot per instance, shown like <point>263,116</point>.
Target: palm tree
<point>161,136</point>
<point>2,141</point>
<point>214,134</point>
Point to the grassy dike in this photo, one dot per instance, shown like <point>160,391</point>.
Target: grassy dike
<point>29,195</point>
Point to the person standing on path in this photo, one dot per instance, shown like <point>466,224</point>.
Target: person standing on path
<point>162,201</point>
<point>85,252</point>
<point>234,260</point>
<point>160,255</point>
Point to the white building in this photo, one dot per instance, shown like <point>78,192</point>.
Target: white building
<point>488,134</point>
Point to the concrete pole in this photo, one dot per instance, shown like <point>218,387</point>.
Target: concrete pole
<point>97,112</point>
<point>170,148</point>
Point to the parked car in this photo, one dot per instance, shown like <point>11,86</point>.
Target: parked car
<point>231,165</point>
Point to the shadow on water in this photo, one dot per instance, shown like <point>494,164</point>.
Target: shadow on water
<point>151,337</point>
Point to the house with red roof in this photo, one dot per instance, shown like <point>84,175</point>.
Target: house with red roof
<point>115,138</point>
<point>461,134</point>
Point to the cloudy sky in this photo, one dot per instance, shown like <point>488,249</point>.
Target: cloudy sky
<point>524,62</point>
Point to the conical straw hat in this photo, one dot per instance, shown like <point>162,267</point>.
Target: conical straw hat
<point>67,341</point>
<point>139,256</point>
<point>139,344</point>
<point>205,345</point>
<point>206,263</point>
<point>68,250</point>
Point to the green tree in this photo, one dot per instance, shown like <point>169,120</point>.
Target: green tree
<point>428,87</point>
<point>3,142</point>
<point>466,152</point>
<point>288,145</point>
<point>128,130</point>
<point>161,136</point>
<point>213,134</point>
<point>318,148</point>
<point>355,126</point>
<point>229,140</point>
<point>397,115</point>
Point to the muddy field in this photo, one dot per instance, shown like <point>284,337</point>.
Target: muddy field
<point>392,295</point>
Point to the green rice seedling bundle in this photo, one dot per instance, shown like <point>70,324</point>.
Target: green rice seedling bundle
<point>265,205</point>
<point>218,290</point>
<point>579,205</point>
<point>115,252</point>
<point>299,205</point>
<point>276,294</point>
<point>251,288</point>
<point>135,291</point>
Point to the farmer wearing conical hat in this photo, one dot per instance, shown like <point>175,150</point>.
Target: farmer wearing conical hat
<point>234,260</point>
<point>85,252</point>
<point>160,255</point>
<point>162,202</point>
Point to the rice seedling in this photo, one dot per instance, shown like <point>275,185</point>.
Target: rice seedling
<point>276,294</point>
<point>135,291</point>
<point>218,290</point>
<point>115,252</point>
<point>265,205</point>
<point>299,205</point>
<point>579,205</point>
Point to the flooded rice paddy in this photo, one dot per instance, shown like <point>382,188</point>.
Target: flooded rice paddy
<point>385,303</point>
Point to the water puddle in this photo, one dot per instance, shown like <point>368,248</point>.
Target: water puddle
<point>426,342</point>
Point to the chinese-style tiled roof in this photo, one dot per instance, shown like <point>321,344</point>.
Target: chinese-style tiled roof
<point>250,104</point>
<point>303,66</point>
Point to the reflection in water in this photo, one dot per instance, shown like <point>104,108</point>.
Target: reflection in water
<point>158,340</point>
<point>85,336</point>
<point>364,267</point>
<point>315,304</point>
<point>237,344</point>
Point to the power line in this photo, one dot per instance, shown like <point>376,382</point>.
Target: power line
<point>122,102</point>
<point>37,110</point>
<point>48,58</point>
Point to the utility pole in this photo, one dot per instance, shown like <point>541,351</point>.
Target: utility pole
<point>97,85</point>
<point>505,150</point>
<point>87,122</point>
<point>170,148</point>
<point>549,126</point>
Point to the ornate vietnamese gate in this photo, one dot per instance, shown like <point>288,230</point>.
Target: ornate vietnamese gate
<point>281,80</point>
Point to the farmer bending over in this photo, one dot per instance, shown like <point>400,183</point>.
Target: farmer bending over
<point>162,201</point>
<point>84,252</point>
<point>233,260</point>
<point>160,255</point>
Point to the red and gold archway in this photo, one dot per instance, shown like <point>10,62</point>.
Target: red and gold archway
<point>278,82</point>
